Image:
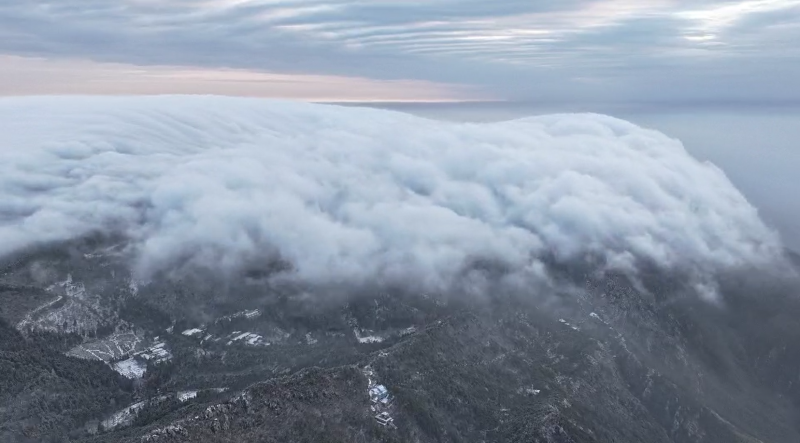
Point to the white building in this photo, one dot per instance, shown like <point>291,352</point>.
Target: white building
<point>384,419</point>
<point>192,332</point>
<point>378,393</point>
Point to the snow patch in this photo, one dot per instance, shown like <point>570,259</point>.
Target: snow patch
<point>366,338</point>
<point>310,340</point>
<point>123,417</point>
<point>566,323</point>
<point>192,332</point>
<point>248,338</point>
<point>186,395</point>
<point>130,368</point>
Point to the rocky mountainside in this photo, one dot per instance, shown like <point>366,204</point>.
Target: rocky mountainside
<point>601,359</point>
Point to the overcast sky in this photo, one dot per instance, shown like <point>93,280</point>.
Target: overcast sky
<point>714,51</point>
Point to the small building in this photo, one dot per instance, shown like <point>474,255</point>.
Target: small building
<point>192,332</point>
<point>252,314</point>
<point>155,354</point>
<point>384,419</point>
<point>378,393</point>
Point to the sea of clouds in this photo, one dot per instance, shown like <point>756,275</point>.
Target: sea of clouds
<point>350,195</point>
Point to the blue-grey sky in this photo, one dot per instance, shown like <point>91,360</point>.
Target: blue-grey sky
<point>595,51</point>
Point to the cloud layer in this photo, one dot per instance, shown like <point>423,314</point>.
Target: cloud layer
<point>580,50</point>
<point>348,194</point>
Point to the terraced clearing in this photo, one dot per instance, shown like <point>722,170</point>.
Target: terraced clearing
<point>110,348</point>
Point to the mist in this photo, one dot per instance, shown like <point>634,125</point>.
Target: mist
<point>349,195</point>
<point>758,152</point>
<point>755,144</point>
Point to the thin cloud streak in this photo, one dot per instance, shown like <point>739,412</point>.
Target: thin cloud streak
<point>29,76</point>
<point>530,50</point>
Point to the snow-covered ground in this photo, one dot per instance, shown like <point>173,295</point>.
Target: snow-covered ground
<point>310,340</point>
<point>29,318</point>
<point>366,338</point>
<point>566,323</point>
<point>273,335</point>
<point>126,415</point>
<point>110,348</point>
<point>408,331</point>
<point>192,332</point>
<point>130,368</point>
<point>79,308</point>
<point>123,417</point>
<point>249,338</point>
<point>186,395</point>
<point>248,314</point>
<point>597,317</point>
<point>121,345</point>
<point>72,309</point>
<point>71,288</point>
<point>529,390</point>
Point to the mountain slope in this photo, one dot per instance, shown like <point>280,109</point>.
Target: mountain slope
<point>45,395</point>
<point>510,370</point>
<point>260,269</point>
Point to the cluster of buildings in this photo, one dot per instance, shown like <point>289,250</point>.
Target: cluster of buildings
<point>248,314</point>
<point>379,394</point>
<point>249,338</point>
<point>136,365</point>
<point>380,398</point>
<point>155,354</point>
<point>251,314</point>
<point>246,337</point>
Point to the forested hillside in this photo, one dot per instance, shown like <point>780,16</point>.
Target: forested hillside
<point>45,395</point>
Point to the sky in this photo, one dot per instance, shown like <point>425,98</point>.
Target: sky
<point>573,51</point>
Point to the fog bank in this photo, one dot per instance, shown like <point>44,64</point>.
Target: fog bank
<point>352,195</point>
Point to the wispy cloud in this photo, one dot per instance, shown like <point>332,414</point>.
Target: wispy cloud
<point>504,46</point>
<point>37,76</point>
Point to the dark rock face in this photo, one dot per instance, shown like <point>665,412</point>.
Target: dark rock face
<point>603,359</point>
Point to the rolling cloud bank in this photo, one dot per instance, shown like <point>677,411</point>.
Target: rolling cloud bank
<point>349,195</point>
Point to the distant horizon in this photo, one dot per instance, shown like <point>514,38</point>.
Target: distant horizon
<point>732,105</point>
